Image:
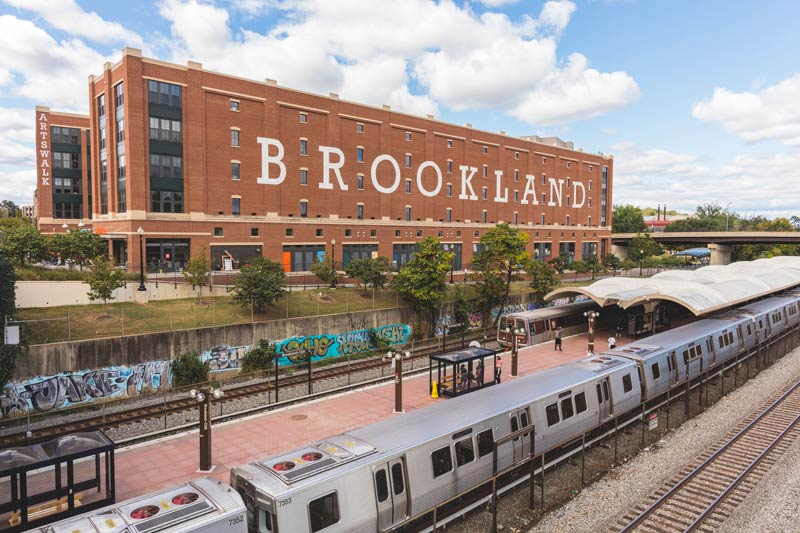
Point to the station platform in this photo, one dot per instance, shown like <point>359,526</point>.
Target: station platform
<point>162,463</point>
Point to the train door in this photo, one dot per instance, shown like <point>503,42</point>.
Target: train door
<point>672,363</point>
<point>604,399</point>
<point>521,445</point>
<point>390,493</point>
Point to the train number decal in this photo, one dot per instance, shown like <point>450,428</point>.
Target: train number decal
<point>236,520</point>
<point>287,501</point>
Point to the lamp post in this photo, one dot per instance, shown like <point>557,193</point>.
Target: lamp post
<point>592,316</point>
<point>514,349</point>
<point>333,262</point>
<point>397,364</point>
<point>641,262</point>
<point>80,225</point>
<point>140,231</point>
<point>727,212</point>
<point>64,226</point>
<point>204,397</point>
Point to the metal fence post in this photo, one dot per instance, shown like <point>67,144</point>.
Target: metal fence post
<point>69,326</point>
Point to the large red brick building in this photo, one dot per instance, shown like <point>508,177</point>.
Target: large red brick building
<point>243,168</point>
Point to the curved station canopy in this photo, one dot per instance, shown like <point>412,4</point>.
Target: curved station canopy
<point>702,291</point>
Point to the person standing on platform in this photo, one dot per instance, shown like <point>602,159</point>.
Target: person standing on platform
<point>612,342</point>
<point>619,329</point>
<point>557,346</point>
<point>498,370</point>
<point>479,373</point>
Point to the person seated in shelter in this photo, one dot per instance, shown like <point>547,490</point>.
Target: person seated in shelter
<point>464,377</point>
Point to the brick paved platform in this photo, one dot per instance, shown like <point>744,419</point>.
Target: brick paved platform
<point>169,461</point>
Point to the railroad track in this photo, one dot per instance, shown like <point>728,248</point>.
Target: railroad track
<point>703,495</point>
<point>161,410</point>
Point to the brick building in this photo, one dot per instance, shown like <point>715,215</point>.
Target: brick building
<point>244,168</point>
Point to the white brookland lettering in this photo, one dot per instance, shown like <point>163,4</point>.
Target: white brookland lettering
<point>327,166</point>
<point>466,183</point>
<point>530,189</point>
<point>498,174</point>
<point>436,171</point>
<point>373,174</point>
<point>579,185</point>
<point>267,159</point>
<point>556,187</point>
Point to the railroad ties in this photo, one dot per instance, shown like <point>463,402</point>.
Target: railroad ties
<point>703,494</point>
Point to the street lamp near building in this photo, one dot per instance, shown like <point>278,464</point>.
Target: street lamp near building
<point>592,316</point>
<point>397,363</point>
<point>204,397</point>
<point>140,231</point>
<point>333,263</point>
<point>641,262</point>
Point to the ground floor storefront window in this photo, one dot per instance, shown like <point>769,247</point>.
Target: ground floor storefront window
<point>166,255</point>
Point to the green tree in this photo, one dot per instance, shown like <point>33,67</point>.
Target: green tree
<point>357,269</point>
<point>594,266</point>
<point>86,245</point>
<point>795,221</point>
<point>579,267</point>
<point>544,279</point>
<point>498,263</point>
<point>643,245</point>
<point>10,208</point>
<point>627,219</point>
<point>708,217</point>
<point>324,269</point>
<point>369,271</point>
<point>196,272</point>
<point>627,265</point>
<point>260,282</point>
<point>104,280</point>
<point>422,282</point>
<point>9,354</point>
<point>22,242</point>
<point>259,358</point>
<point>560,263</point>
<point>461,308</point>
<point>612,262</point>
<point>189,369</point>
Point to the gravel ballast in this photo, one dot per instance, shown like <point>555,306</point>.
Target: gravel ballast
<point>601,505</point>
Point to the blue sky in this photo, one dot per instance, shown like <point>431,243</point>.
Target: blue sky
<point>698,101</point>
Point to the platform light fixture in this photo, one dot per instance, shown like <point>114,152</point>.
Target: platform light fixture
<point>592,316</point>
<point>204,397</point>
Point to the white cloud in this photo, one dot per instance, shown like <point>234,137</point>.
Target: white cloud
<point>770,114</point>
<point>68,16</point>
<point>463,60</point>
<point>16,134</point>
<point>36,66</point>
<point>17,185</point>
<point>497,3</point>
<point>758,183</point>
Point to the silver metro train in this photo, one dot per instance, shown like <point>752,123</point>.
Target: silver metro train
<point>389,473</point>
<point>386,474</point>
<point>202,505</point>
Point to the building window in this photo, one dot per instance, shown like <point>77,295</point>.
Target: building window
<point>566,220</point>
<point>449,143</point>
<point>359,127</point>
<point>234,137</point>
<point>303,147</point>
<point>568,201</point>
<point>408,213</point>
<point>484,216</point>
<point>408,160</point>
<point>408,186</point>
<point>304,118</point>
<point>218,232</point>
<point>397,233</point>
<point>121,167</point>
<point>449,215</point>
<point>590,185</point>
<point>516,196</point>
<point>101,105</point>
<point>569,182</point>
<point>544,198</point>
<point>63,210</point>
<point>289,232</point>
<point>516,175</point>
<point>544,160</point>
<point>164,93</point>
<point>162,129</point>
<point>65,135</point>
<point>542,219</point>
<point>66,160</point>
<point>590,202</point>
<point>119,97</point>
<point>120,130</point>
<point>485,149</point>
<point>458,233</point>
<point>360,211</point>
<point>66,185</point>
<point>360,154</point>
<point>419,233</point>
<point>236,206</point>
<point>449,166</point>
<point>516,217</point>
<point>516,155</point>
<point>320,232</point>
<point>477,233</point>
<point>568,164</point>
<point>348,232</point>
<point>408,135</point>
<point>303,176</point>
<point>485,171</point>
<point>485,193</point>
<point>373,233</point>
<point>449,189</point>
<point>166,166</point>
<point>360,182</point>
<point>166,202</point>
<point>303,209</point>
<point>589,221</point>
<point>235,171</point>
<point>254,232</point>
<point>234,105</point>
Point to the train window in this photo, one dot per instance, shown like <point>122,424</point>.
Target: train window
<point>442,461</point>
<point>749,330</point>
<point>580,402</point>
<point>605,390</point>
<point>324,512</point>
<point>381,485</point>
<point>552,414</point>
<point>514,425</point>
<point>465,453</point>
<point>485,442</point>
<point>398,483</point>
<point>686,356</point>
<point>730,338</point>
<point>627,385</point>
<point>523,419</point>
<point>656,370</point>
<point>720,342</point>
<point>599,394</point>
<point>669,363</point>
<point>264,521</point>
<point>566,408</point>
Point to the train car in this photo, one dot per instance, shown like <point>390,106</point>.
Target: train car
<point>203,505</point>
<point>774,315</point>
<point>388,473</point>
<point>540,325</point>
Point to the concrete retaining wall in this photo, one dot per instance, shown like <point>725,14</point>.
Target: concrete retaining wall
<point>57,293</point>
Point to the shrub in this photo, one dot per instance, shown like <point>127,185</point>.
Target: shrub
<point>188,369</point>
<point>259,358</point>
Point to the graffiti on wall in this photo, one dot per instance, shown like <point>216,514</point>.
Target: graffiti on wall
<point>475,318</point>
<point>293,350</point>
<point>46,393</point>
